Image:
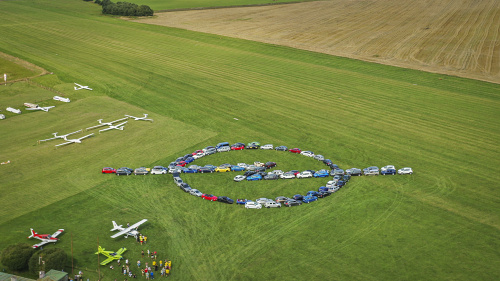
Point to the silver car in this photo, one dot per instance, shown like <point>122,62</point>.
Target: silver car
<point>371,171</point>
<point>195,192</point>
<point>263,200</point>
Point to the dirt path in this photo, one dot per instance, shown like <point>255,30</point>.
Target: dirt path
<point>35,68</point>
<point>456,37</point>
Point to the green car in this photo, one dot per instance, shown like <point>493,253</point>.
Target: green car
<point>253,145</point>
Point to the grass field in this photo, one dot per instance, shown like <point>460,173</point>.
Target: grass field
<point>441,223</point>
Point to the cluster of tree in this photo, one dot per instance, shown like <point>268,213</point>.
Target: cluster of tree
<point>124,9</point>
<point>22,257</point>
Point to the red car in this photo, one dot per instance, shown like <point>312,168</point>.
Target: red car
<point>237,146</point>
<point>197,151</point>
<point>108,170</point>
<point>295,150</point>
<point>209,197</point>
<point>182,163</point>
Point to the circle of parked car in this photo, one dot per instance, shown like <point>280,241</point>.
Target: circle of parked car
<point>257,172</point>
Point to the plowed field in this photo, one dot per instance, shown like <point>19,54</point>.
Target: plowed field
<point>457,37</point>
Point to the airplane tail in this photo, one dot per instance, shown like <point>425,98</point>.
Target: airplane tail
<point>32,233</point>
<point>116,227</point>
<point>100,121</point>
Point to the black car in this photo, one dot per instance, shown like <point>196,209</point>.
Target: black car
<point>253,146</point>
<point>333,166</point>
<point>281,148</point>
<point>323,194</point>
<point>205,170</point>
<point>298,197</point>
<point>340,183</point>
<point>346,178</point>
<point>270,165</point>
<point>260,169</point>
<point>327,162</point>
<point>271,177</point>
<point>292,202</point>
<point>249,173</point>
<point>225,199</point>
<point>124,171</point>
<point>186,156</point>
<point>184,186</point>
<point>261,173</point>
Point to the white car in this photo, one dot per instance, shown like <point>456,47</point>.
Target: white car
<point>258,164</point>
<point>304,174</point>
<point>224,149</point>
<point>239,178</point>
<point>277,172</point>
<point>198,155</point>
<point>158,170</point>
<point>252,205</point>
<point>287,175</point>
<point>244,165</point>
<point>319,157</point>
<point>272,204</point>
<point>405,171</point>
<point>331,183</point>
<point>267,146</point>
<point>307,153</point>
<point>195,192</point>
<point>263,201</point>
<point>385,168</point>
<point>333,189</point>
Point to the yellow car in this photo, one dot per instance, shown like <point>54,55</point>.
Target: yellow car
<point>223,169</point>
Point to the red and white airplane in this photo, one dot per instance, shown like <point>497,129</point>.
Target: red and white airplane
<point>46,238</point>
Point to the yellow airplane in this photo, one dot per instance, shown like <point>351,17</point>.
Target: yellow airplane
<point>110,254</point>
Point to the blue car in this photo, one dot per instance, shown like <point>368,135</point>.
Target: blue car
<point>323,188</point>
<point>254,177</point>
<point>190,171</point>
<point>388,172</point>
<point>308,199</point>
<point>189,160</point>
<point>321,174</point>
<point>237,168</point>
<point>298,197</point>
<point>241,201</point>
<point>312,193</point>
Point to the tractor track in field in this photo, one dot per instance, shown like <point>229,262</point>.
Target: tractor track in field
<point>459,38</point>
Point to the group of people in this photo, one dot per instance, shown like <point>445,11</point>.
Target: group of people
<point>149,270</point>
<point>141,238</point>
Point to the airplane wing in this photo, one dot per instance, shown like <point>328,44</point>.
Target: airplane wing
<point>118,120</point>
<point>86,136</point>
<point>96,126</point>
<point>64,143</point>
<point>129,228</point>
<point>57,233</point>
<point>121,251</point>
<point>107,129</point>
<point>78,85</point>
<point>74,132</point>
<point>106,261</point>
<point>39,244</point>
<point>121,124</point>
<point>48,139</point>
<point>33,108</point>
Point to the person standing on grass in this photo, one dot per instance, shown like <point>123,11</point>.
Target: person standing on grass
<point>152,275</point>
<point>138,263</point>
<point>161,263</point>
<point>140,240</point>
<point>142,271</point>
<point>142,253</point>
<point>145,240</point>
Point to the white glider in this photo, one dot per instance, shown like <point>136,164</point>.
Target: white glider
<point>46,109</point>
<point>70,141</point>
<point>105,123</point>
<point>117,127</point>
<point>60,137</point>
<point>82,87</point>
<point>140,118</point>
<point>61,99</point>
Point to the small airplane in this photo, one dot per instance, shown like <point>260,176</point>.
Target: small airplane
<point>70,141</point>
<point>105,123</point>
<point>140,118</point>
<point>46,108</point>
<point>14,110</point>
<point>111,256</point>
<point>60,137</point>
<point>117,127</point>
<point>129,231</point>
<point>61,99</point>
<point>46,238</point>
<point>81,87</point>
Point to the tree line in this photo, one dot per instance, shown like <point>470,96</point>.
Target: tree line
<point>124,8</point>
<point>22,257</point>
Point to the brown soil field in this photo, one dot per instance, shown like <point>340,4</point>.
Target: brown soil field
<point>455,37</point>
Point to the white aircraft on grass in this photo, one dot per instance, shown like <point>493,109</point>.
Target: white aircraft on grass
<point>129,231</point>
<point>60,137</point>
<point>106,123</point>
<point>81,87</point>
<point>140,118</point>
<point>117,127</point>
<point>46,109</point>
<point>70,141</point>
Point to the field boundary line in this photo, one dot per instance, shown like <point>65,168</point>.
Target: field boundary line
<point>230,6</point>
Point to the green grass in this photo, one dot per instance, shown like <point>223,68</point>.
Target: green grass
<point>179,4</point>
<point>440,223</point>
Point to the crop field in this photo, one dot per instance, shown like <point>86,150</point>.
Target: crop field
<point>457,37</point>
<point>179,4</point>
<point>441,223</point>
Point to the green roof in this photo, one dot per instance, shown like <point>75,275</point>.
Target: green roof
<point>6,277</point>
